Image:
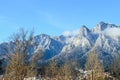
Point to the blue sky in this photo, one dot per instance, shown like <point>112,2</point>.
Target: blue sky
<point>55,16</point>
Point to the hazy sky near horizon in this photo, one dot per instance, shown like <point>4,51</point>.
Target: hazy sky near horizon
<point>55,16</point>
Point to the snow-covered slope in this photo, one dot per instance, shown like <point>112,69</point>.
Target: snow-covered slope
<point>104,39</point>
<point>50,46</point>
<point>84,39</point>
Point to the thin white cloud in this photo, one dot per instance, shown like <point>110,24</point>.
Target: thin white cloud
<point>70,33</point>
<point>112,32</point>
<point>75,32</point>
<point>66,33</point>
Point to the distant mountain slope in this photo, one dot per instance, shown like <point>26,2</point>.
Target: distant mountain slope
<point>104,39</point>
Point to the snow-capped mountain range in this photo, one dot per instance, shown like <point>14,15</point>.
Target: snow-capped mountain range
<point>104,39</point>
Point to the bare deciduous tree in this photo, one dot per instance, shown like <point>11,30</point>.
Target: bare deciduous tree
<point>95,66</point>
<point>18,66</point>
<point>115,67</point>
<point>51,70</point>
<point>65,72</point>
<point>59,72</point>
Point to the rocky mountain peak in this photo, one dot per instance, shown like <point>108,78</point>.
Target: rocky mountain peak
<point>84,31</point>
<point>101,26</point>
<point>102,39</point>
